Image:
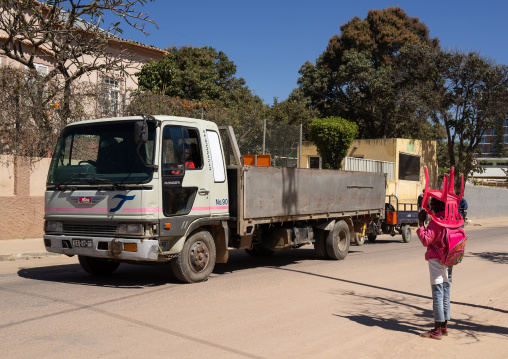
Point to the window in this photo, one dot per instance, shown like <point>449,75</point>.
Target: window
<point>484,139</point>
<point>102,153</point>
<point>219,174</point>
<point>409,167</point>
<point>110,97</point>
<point>43,70</point>
<point>180,146</point>
<point>38,87</point>
<point>314,162</point>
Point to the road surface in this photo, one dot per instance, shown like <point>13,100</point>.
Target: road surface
<point>373,304</point>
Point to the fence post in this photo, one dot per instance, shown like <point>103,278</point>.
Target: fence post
<point>264,135</point>
<point>300,147</point>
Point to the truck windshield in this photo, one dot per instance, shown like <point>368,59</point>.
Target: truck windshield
<point>102,154</point>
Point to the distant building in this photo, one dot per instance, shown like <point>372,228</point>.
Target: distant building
<point>487,141</point>
<point>403,161</point>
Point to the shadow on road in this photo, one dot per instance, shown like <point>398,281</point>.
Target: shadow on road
<point>496,257</point>
<point>393,290</point>
<point>127,276</point>
<point>398,314</point>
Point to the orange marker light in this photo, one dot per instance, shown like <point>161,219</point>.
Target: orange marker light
<point>130,247</point>
<point>168,225</point>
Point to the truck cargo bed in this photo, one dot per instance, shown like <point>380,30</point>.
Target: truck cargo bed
<point>275,194</point>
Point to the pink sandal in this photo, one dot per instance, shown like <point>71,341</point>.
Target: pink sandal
<point>433,334</point>
<point>444,331</point>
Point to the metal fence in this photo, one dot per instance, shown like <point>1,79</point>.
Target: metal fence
<point>360,164</point>
<point>282,142</point>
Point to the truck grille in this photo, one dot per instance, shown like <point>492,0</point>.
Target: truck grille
<point>89,229</point>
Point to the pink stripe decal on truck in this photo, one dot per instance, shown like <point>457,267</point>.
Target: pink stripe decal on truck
<point>142,210</point>
<point>209,208</point>
<point>76,209</point>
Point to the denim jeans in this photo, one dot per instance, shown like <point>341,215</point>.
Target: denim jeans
<point>441,299</point>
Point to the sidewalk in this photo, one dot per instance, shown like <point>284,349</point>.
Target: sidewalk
<point>15,249</point>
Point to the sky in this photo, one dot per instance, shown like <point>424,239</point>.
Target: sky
<point>269,41</point>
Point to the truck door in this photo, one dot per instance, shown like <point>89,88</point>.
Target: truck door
<point>218,187</point>
<point>184,174</point>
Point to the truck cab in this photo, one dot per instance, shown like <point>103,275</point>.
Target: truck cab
<point>134,189</point>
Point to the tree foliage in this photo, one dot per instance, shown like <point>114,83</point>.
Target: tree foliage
<point>354,78</point>
<point>29,111</point>
<point>293,111</point>
<point>72,35</point>
<point>332,137</point>
<point>381,35</point>
<point>197,74</point>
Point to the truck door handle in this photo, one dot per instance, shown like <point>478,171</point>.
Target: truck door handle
<point>203,192</point>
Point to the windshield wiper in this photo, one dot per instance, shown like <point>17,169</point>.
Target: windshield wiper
<point>105,181</point>
<point>73,176</point>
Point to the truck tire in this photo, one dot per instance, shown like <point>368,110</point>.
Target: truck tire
<point>197,259</point>
<point>320,243</point>
<point>360,240</point>
<point>259,251</point>
<point>337,241</point>
<point>406,233</point>
<point>98,266</point>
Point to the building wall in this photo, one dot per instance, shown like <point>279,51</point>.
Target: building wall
<point>22,187</point>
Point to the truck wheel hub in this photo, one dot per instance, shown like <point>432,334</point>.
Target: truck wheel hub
<point>199,256</point>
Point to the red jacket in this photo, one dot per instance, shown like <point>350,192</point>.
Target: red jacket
<point>432,235</point>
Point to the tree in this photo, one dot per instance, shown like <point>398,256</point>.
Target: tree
<point>476,98</point>
<point>198,74</point>
<point>353,77</point>
<point>293,111</point>
<point>463,94</point>
<point>332,137</point>
<point>73,35</point>
<point>381,34</point>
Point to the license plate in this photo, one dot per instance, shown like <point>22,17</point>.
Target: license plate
<point>82,242</point>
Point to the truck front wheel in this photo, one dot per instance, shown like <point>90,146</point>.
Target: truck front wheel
<point>338,240</point>
<point>98,266</point>
<point>197,258</point>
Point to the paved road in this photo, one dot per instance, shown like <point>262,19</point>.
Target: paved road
<point>292,305</point>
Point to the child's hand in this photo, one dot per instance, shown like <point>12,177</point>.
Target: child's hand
<point>422,216</point>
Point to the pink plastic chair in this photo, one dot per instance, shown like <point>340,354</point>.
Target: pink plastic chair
<point>452,217</point>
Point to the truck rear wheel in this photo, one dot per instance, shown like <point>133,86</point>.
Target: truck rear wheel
<point>98,266</point>
<point>320,243</point>
<point>359,239</point>
<point>197,258</point>
<point>338,240</point>
<point>406,233</point>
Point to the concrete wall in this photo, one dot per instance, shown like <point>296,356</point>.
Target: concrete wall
<point>486,202</point>
<point>22,187</point>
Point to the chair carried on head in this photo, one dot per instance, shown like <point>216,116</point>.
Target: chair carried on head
<point>452,217</point>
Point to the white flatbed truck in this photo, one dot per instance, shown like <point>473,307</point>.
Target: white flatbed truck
<point>173,190</point>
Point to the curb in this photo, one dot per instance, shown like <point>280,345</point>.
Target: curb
<point>26,256</point>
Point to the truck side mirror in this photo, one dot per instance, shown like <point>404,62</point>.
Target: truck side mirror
<point>140,132</point>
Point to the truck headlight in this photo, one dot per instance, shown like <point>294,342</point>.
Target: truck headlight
<point>126,228</point>
<point>53,226</point>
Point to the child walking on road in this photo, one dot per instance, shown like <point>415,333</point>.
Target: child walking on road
<point>445,243</point>
<point>440,275</point>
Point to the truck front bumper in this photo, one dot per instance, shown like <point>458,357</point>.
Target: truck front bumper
<point>117,248</point>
